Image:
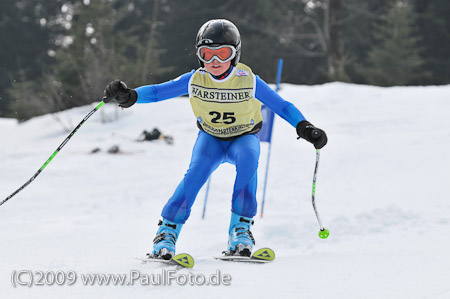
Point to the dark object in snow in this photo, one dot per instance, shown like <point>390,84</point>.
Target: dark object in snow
<point>155,134</point>
<point>95,150</point>
<point>149,136</point>
<point>114,149</point>
<point>168,139</point>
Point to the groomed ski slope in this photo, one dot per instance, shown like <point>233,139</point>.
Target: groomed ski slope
<point>382,191</point>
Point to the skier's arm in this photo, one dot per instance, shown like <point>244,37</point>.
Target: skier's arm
<point>289,113</point>
<point>277,104</point>
<point>126,97</point>
<point>164,91</point>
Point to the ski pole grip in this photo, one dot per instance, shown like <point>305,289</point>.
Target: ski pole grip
<point>107,99</point>
<point>316,134</point>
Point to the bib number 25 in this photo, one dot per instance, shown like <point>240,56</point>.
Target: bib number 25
<point>226,117</point>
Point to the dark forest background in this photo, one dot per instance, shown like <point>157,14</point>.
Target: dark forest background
<point>60,54</point>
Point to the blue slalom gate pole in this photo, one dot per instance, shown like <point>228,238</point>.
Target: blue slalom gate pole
<point>280,68</point>
<point>206,197</point>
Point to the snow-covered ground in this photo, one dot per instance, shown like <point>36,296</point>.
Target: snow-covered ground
<point>383,192</point>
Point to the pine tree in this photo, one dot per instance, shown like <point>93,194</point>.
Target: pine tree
<point>434,25</point>
<point>395,59</point>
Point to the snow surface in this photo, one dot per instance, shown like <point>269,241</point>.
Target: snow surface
<point>382,191</point>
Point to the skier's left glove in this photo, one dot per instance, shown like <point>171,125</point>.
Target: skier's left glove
<point>312,134</point>
<point>119,91</point>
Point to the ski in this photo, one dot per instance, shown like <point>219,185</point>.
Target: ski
<point>183,259</point>
<point>263,255</point>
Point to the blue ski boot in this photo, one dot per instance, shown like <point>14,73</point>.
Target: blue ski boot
<point>166,237</point>
<point>240,239</point>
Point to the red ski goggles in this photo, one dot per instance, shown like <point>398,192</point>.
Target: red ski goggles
<point>221,53</point>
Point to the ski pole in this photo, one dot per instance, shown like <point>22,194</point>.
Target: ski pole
<point>323,233</point>
<point>105,100</point>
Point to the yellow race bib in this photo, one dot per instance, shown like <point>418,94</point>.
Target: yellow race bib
<point>226,108</point>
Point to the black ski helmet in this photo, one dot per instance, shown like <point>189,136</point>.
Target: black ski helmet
<point>219,32</point>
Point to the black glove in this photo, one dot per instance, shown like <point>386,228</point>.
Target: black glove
<point>312,134</point>
<point>118,90</point>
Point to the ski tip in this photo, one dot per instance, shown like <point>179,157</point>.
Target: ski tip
<point>184,259</point>
<point>264,254</point>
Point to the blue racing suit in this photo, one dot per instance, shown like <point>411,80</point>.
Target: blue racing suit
<point>209,151</point>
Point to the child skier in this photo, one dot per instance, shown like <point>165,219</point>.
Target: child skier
<point>226,99</point>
